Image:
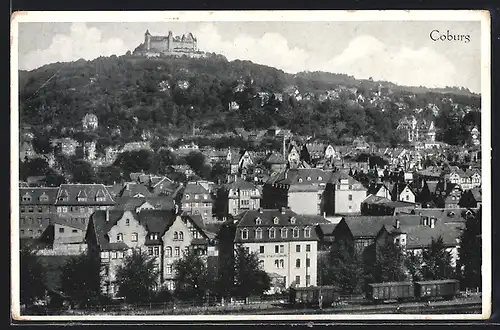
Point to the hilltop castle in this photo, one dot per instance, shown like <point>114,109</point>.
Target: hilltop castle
<point>170,44</point>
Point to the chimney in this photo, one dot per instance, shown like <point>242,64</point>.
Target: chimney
<point>397,224</point>
<point>433,222</point>
<point>176,209</point>
<point>107,215</point>
<point>283,210</point>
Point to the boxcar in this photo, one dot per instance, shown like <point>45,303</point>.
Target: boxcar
<point>400,291</point>
<point>446,289</point>
<point>310,296</point>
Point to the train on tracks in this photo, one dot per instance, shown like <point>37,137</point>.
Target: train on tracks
<point>376,293</point>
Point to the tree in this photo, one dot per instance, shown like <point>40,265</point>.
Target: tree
<point>437,261</point>
<point>196,160</point>
<point>83,172</point>
<point>425,195</point>
<point>343,267</point>
<point>109,175</point>
<point>32,279</point>
<point>137,277</point>
<point>249,278</point>
<point>413,264</point>
<point>134,161</point>
<point>389,263</point>
<point>470,256</point>
<point>192,276</point>
<point>80,279</point>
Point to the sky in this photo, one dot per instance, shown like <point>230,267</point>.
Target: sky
<point>400,52</point>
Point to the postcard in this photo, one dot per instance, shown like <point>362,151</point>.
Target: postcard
<point>251,165</point>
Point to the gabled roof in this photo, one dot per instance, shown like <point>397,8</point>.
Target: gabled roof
<point>240,185</point>
<point>131,189</point>
<point>194,190</point>
<point>375,188</point>
<point>374,199</point>
<point>93,192</point>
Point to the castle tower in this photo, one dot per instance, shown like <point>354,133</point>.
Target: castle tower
<point>431,133</point>
<point>147,40</point>
<point>170,42</point>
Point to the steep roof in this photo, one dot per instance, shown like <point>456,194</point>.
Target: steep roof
<point>131,203</point>
<point>131,189</point>
<point>240,185</point>
<point>93,192</point>
<point>421,236</point>
<point>275,158</point>
<point>42,196</point>
<point>369,226</point>
<point>444,215</point>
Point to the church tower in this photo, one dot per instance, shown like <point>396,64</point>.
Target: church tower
<point>170,42</point>
<point>147,40</point>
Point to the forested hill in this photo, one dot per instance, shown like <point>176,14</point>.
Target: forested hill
<point>168,95</point>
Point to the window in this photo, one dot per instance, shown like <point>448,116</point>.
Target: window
<point>169,269</point>
<point>277,263</point>
<point>119,237</point>
<point>176,235</point>
<point>308,178</point>
<point>297,263</point>
<point>350,197</point>
<point>39,231</point>
<point>292,220</point>
<point>308,248</point>
<point>120,254</point>
<point>258,221</point>
<point>276,220</point>
<point>187,196</point>
<point>134,237</point>
<point>295,232</point>
<point>22,231</point>
<point>284,232</point>
<point>113,255</point>
<point>177,251</point>
<point>258,233</point>
<point>150,250</point>
<point>22,209</point>
<point>181,236</point>
<point>195,196</point>
<point>205,197</point>
<point>61,230</point>
<point>40,209</point>
<point>300,180</point>
<point>30,209</point>
<point>272,233</point>
<point>282,249</point>
<point>297,279</point>
<point>156,251</point>
<point>320,178</point>
<point>307,232</point>
<point>244,233</point>
<point>276,249</point>
<point>127,222</point>
<point>297,248</point>
<point>168,251</point>
<point>74,231</point>
<point>308,280</point>
<point>23,221</point>
<point>407,197</point>
<point>308,262</point>
<point>261,249</point>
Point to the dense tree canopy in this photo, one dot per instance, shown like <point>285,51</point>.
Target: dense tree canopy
<point>80,279</point>
<point>168,95</point>
<point>137,277</point>
<point>437,261</point>
<point>470,255</point>
<point>32,278</point>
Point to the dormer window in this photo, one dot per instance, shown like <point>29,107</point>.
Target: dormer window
<point>272,233</point>
<point>300,180</point>
<point>308,178</point>
<point>258,221</point>
<point>43,198</point>
<point>244,233</point>
<point>195,196</point>
<point>284,232</point>
<point>295,232</point>
<point>307,232</point>
<point>276,220</point>
<point>258,233</point>
<point>292,220</point>
<point>320,178</point>
<point>26,198</point>
<point>119,237</point>
<point>205,197</point>
<point>187,196</point>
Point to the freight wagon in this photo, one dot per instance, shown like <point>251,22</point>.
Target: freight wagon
<point>420,290</point>
<point>446,289</point>
<point>310,296</point>
<point>390,291</point>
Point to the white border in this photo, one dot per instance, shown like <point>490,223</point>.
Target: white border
<point>199,16</point>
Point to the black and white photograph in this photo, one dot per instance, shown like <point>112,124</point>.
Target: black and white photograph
<point>251,165</point>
